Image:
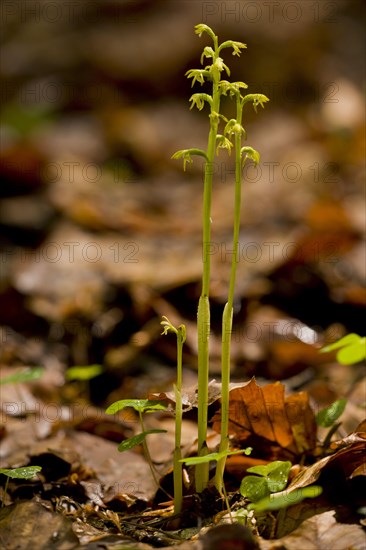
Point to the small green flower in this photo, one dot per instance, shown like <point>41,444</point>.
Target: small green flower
<point>198,100</point>
<point>207,52</point>
<point>198,75</point>
<point>233,127</point>
<point>223,143</point>
<point>201,28</point>
<point>186,155</point>
<point>233,88</point>
<point>236,46</point>
<point>250,153</point>
<point>256,99</point>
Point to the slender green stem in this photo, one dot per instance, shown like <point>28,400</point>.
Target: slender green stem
<point>203,315</point>
<point>178,466</point>
<point>227,318</point>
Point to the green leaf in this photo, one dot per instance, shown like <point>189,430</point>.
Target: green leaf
<point>326,417</point>
<point>25,375</point>
<point>345,341</point>
<point>131,442</point>
<point>276,469</point>
<point>254,488</point>
<point>278,475</point>
<point>352,354</point>
<point>140,405</point>
<point>353,349</point>
<point>285,498</point>
<point>193,460</point>
<point>21,473</point>
<point>83,373</point>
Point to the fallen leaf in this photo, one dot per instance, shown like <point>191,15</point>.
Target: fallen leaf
<point>29,524</point>
<point>320,532</point>
<point>350,456</point>
<point>275,426</point>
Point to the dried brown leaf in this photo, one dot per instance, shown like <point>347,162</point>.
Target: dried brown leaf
<point>276,426</point>
<point>320,532</point>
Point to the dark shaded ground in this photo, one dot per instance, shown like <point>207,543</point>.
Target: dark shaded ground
<point>100,229</point>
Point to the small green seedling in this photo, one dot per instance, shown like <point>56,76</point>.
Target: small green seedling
<point>26,472</point>
<point>352,349</point>
<point>180,333</point>
<point>270,478</point>
<point>266,489</point>
<point>142,406</point>
<point>327,418</point>
<point>26,375</point>
<point>83,373</point>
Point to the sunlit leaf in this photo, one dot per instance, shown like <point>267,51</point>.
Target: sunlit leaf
<point>83,373</point>
<point>193,460</point>
<point>140,405</point>
<point>25,375</point>
<point>284,499</point>
<point>26,472</point>
<point>352,349</point>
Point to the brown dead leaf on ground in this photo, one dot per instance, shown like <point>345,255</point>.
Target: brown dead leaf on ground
<point>321,532</point>
<point>277,427</point>
<point>349,454</point>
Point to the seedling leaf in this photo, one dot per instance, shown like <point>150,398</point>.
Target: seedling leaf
<point>254,488</point>
<point>345,341</point>
<point>83,373</point>
<point>27,472</point>
<point>140,405</point>
<point>131,442</point>
<point>193,460</point>
<point>285,498</point>
<point>23,376</point>
<point>326,417</point>
<point>353,349</point>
